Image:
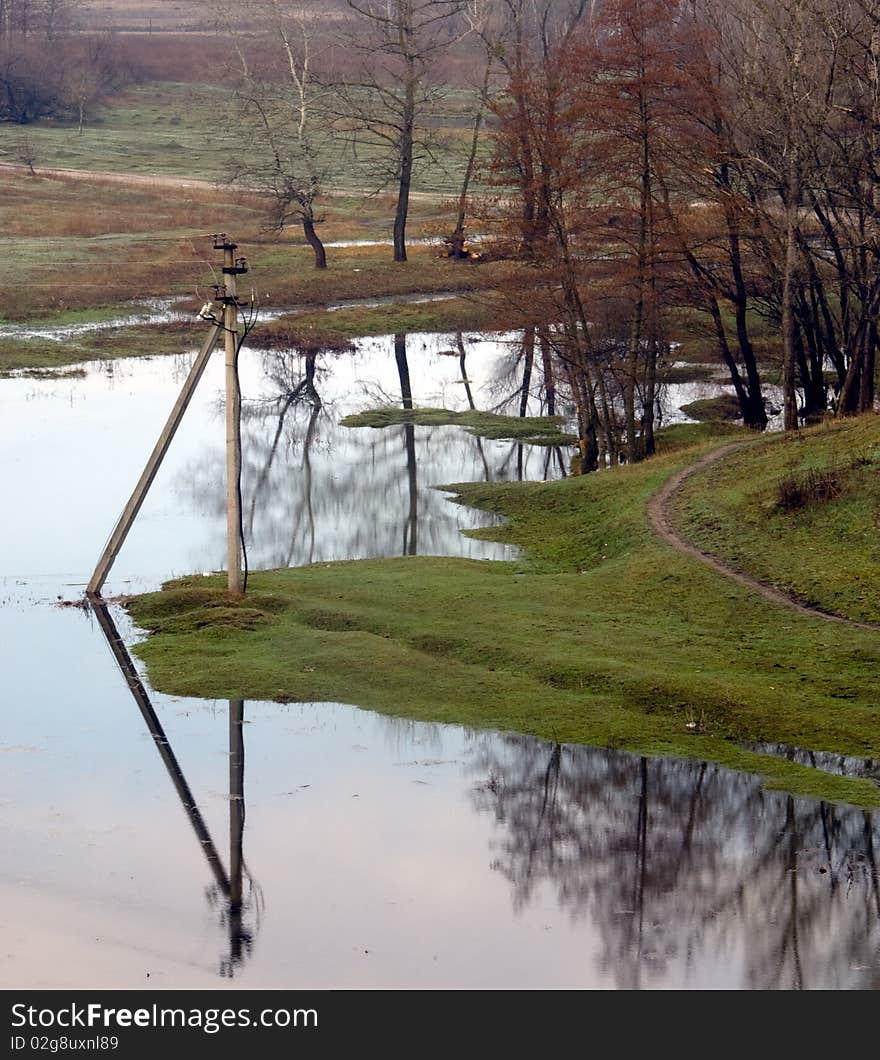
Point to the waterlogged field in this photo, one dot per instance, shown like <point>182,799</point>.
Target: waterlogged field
<point>481,857</point>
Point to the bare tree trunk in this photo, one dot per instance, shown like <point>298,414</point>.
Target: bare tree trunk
<point>757,414</point>
<point>314,241</point>
<point>549,376</point>
<point>528,350</point>
<point>634,448</point>
<point>867,382</point>
<point>724,347</point>
<point>789,351</point>
<point>411,527</point>
<point>403,370</point>
<point>406,166</point>
<point>457,239</point>
<point>462,357</point>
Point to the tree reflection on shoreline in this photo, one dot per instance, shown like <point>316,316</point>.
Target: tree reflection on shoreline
<point>316,491</point>
<point>679,862</point>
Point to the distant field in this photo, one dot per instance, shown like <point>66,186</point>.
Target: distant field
<point>162,129</point>
<point>163,16</point>
<point>183,130</point>
<point>143,14</point>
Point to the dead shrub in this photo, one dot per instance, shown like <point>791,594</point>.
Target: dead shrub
<point>804,488</point>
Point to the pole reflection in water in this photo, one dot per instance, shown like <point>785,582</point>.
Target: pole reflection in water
<point>411,527</point>
<point>227,891</point>
<point>241,937</point>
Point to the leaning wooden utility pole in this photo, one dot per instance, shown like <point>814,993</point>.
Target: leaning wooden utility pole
<point>123,525</point>
<point>232,267</point>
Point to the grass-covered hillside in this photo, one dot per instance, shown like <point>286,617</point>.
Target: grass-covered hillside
<point>801,512</point>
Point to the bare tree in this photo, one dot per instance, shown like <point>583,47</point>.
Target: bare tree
<point>390,100</point>
<point>93,74</point>
<point>456,241</point>
<point>281,112</point>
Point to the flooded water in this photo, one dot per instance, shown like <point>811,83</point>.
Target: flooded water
<point>367,851</point>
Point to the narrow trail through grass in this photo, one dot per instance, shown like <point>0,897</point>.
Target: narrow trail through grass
<point>659,515</point>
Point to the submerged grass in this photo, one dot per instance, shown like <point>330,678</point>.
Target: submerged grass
<point>598,634</point>
<point>328,330</point>
<point>35,356</point>
<point>531,430</point>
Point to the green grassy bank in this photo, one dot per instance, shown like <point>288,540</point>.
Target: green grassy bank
<point>598,634</point>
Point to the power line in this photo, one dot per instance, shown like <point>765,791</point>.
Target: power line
<point>117,264</point>
<point>113,286</point>
<point>109,237</point>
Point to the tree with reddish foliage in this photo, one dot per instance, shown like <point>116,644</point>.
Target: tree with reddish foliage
<point>584,136</point>
<point>718,158</point>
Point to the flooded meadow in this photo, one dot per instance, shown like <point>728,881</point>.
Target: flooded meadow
<point>155,841</point>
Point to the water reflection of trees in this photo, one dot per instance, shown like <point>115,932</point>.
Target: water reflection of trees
<point>293,386</point>
<point>314,490</point>
<point>521,386</point>
<point>683,863</point>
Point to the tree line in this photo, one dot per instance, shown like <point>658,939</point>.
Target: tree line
<point>659,166</point>
<point>48,69</point>
<point>698,161</point>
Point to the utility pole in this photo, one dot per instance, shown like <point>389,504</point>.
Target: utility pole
<point>225,297</point>
<point>232,267</point>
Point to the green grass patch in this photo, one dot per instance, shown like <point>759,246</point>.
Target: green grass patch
<point>825,548</point>
<point>167,128</point>
<point>723,407</point>
<point>333,330</point>
<point>598,634</point>
<point>532,430</point>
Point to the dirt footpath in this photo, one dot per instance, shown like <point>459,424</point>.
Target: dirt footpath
<point>658,516</point>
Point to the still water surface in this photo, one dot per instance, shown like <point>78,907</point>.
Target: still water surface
<point>372,851</point>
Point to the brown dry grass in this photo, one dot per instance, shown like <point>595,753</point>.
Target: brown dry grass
<point>73,244</point>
